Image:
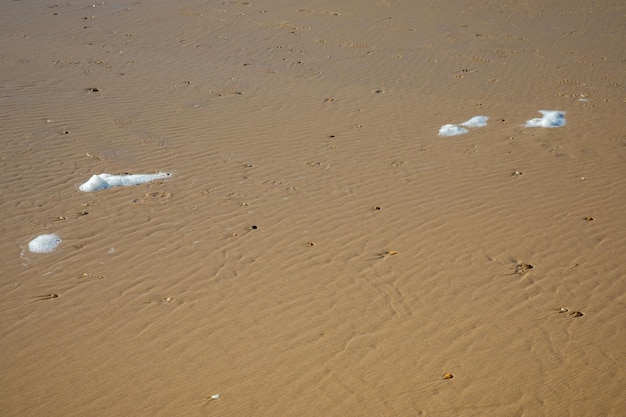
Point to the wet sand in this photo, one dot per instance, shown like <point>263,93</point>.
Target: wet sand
<point>319,250</point>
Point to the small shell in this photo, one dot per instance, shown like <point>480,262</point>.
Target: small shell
<point>522,268</point>
<point>448,375</point>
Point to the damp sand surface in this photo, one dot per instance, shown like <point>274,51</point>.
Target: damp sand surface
<point>319,249</point>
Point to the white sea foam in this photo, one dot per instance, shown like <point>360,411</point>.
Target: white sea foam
<point>104,181</point>
<point>44,243</point>
<point>453,130</point>
<point>476,121</point>
<point>551,118</point>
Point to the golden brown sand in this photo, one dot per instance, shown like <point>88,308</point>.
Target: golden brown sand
<point>392,272</point>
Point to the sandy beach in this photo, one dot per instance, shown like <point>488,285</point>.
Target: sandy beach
<point>310,244</point>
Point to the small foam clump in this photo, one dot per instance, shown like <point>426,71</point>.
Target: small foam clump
<point>104,181</point>
<point>476,121</point>
<point>551,118</point>
<point>453,130</point>
<point>44,243</point>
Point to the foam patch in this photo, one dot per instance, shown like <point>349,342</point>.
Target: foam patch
<point>44,243</point>
<point>104,181</point>
<point>551,118</point>
<point>476,121</point>
<point>453,130</point>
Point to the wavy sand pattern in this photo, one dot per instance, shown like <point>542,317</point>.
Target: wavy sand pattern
<point>318,250</point>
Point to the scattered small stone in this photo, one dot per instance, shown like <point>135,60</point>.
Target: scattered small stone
<point>588,218</point>
<point>576,314</point>
<point>387,254</point>
<point>448,375</point>
<point>254,227</point>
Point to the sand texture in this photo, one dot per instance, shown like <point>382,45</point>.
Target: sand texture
<point>318,249</point>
